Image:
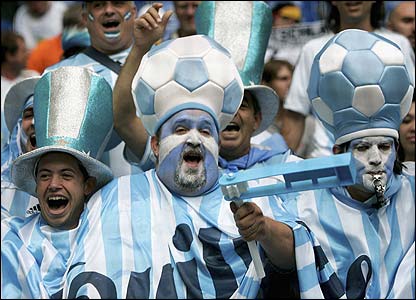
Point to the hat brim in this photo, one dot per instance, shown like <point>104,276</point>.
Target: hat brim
<point>268,102</point>
<point>22,170</point>
<point>16,99</point>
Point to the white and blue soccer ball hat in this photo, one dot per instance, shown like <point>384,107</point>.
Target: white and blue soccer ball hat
<point>360,86</point>
<point>193,72</point>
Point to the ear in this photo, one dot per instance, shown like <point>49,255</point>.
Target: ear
<point>154,143</point>
<point>257,120</point>
<point>90,185</point>
<point>336,149</point>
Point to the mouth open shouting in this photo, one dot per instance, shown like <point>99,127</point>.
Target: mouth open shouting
<point>111,28</point>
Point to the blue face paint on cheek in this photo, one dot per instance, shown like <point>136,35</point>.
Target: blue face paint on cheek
<point>127,16</point>
<point>166,168</point>
<point>389,164</point>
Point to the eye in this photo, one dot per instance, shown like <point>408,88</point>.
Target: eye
<point>43,176</point>
<point>180,130</point>
<point>407,120</point>
<point>28,114</point>
<point>384,146</point>
<point>67,176</point>
<point>361,148</point>
<point>205,132</point>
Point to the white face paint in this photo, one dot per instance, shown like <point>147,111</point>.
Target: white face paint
<point>375,158</point>
<point>168,143</point>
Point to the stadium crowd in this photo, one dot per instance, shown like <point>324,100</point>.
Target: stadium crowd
<point>122,122</point>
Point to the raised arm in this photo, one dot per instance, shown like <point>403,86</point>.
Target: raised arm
<point>148,29</point>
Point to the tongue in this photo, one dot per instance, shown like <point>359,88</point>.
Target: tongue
<point>57,206</point>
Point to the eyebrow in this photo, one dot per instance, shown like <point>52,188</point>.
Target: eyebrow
<point>61,170</point>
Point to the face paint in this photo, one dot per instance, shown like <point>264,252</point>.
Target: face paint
<point>112,35</point>
<point>127,15</point>
<point>91,17</point>
<point>374,158</point>
<point>188,153</point>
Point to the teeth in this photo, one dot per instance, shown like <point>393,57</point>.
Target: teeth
<point>56,198</point>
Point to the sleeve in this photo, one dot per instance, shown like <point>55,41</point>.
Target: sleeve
<point>20,275</point>
<point>146,162</point>
<point>297,99</point>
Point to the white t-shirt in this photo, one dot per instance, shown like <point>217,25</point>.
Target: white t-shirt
<point>297,99</point>
<point>33,29</point>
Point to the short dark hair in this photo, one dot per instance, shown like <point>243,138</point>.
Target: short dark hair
<point>376,17</point>
<point>80,165</point>
<point>9,43</point>
<point>272,67</point>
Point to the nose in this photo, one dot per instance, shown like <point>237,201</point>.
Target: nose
<point>374,156</point>
<point>33,121</point>
<point>109,8</point>
<point>55,183</point>
<point>193,138</point>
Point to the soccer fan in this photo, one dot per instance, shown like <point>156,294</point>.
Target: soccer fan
<point>73,112</point>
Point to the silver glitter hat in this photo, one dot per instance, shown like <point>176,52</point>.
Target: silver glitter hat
<point>244,28</point>
<point>16,98</point>
<point>73,114</point>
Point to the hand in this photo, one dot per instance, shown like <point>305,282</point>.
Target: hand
<point>149,27</point>
<point>250,221</point>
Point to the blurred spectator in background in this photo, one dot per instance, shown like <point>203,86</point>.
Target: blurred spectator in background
<point>38,20</point>
<point>407,135</point>
<point>13,62</point>
<point>365,15</point>
<point>289,33</point>
<point>277,74</point>
<point>401,19</point>
<point>50,51</point>
<point>185,13</point>
<point>286,14</point>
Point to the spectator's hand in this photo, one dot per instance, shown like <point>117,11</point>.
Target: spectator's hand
<point>149,27</point>
<point>250,221</point>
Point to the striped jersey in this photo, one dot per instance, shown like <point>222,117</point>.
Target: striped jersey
<point>34,258</point>
<point>14,202</point>
<point>367,247</point>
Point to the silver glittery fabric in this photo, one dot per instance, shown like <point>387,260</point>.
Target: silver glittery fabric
<point>228,14</point>
<point>69,97</point>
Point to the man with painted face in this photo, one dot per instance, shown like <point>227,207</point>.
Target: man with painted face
<point>20,123</point>
<point>366,230</point>
<point>110,26</point>
<point>168,232</point>
<point>62,173</point>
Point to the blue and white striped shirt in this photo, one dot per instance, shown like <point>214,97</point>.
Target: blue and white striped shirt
<point>366,246</point>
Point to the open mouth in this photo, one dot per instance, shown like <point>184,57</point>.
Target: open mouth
<point>32,140</point>
<point>232,127</point>
<point>56,203</point>
<point>111,25</point>
<point>193,158</point>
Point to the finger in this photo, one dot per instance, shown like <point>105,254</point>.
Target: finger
<point>166,17</point>
<point>155,14</point>
<point>142,23</point>
<point>250,232</point>
<point>233,207</point>
<point>150,19</point>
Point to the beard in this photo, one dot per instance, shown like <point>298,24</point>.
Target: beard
<point>190,179</point>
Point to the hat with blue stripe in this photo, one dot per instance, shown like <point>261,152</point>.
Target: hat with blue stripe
<point>73,114</point>
<point>193,72</point>
<point>360,86</point>
<point>18,96</point>
<point>244,28</point>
